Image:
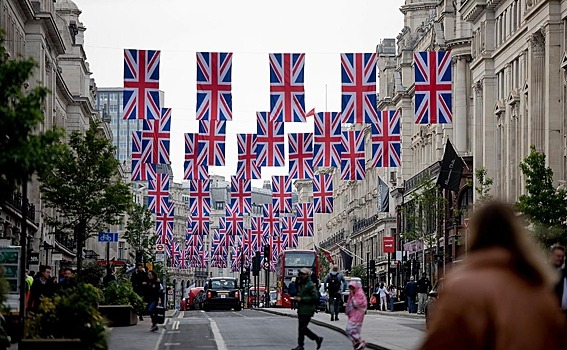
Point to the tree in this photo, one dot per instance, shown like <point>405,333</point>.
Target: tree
<point>324,265</point>
<point>138,233</point>
<point>85,189</point>
<point>484,184</point>
<point>544,205</point>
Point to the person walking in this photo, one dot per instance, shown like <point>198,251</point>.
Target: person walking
<point>557,259</point>
<point>392,292</point>
<point>500,296</point>
<point>382,297</point>
<point>306,295</point>
<point>292,291</point>
<point>355,309</point>
<point>139,281</point>
<point>335,284</point>
<point>153,296</point>
<point>423,287</point>
<point>42,286</point>
<point>411,293</point>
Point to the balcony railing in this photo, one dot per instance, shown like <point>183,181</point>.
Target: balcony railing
<point>66,240</point>
<point>15,201</point>
<point>361,224</point>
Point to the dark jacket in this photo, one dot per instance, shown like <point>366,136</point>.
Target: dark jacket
<point>411,289</point>
<point>153,292</point>
<point>39,289</point>
<point>560,286</point>
<point>292,289</point>
<point>423,285</point>
<point>341,279</point>
<point>138,279</point>
<point>308,295</point>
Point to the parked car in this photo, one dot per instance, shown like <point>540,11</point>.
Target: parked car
<point>222,292</point>
<point>188,303</point>
<point>322,305</point>
<point>432,299</point>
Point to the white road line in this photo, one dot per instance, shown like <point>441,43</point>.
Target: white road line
<point>218,336</point>
<point>175,325</point>
<point>180,314</point>
<point>161,334</point>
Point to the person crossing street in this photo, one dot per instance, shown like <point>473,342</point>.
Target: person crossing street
<point>305,298</point>
<point>335,285</point>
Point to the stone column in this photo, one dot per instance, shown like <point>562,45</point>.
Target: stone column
<point>537,90</point>
<point>460,98</point>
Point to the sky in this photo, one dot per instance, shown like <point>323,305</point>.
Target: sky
<point>250,29</point>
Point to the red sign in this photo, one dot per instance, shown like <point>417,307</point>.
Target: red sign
<point>388,244</point>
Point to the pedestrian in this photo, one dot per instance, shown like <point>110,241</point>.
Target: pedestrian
<point>153,296</point>
<point>335,284</point>
<point>392,292</point>
<point>306,295</point>
<point>382,297</point>
<point>411,293</point>
<point>423,287</point>
<point>42,286</point>
<point>68,279</point>
<point>500,296</point>
<point>29,282</point>
<point>292,290</point>
<point>139,281</point>
<point>557,257</point>
<point>355,309</point>
<point>109,277</point>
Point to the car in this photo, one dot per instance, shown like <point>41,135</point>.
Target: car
<point>189,302</point>
<point>252,296</point>
<point>222,292</point>
<point>322,305</point>
<point>432,297</point>
<point>346,292</point>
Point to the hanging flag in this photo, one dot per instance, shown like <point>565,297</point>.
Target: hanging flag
<point>270,222</point>
<point>300,155</point>
<point>234,220</point>
<point>164,224</point>
<point>383,196</point>
<point>140,171</point>
<point>325,253</point>
<point>433,87</point>
<point>353,157</point>
<point>323,193</point>
<point>281,193</point>
<point>194,243</point>
<point>303,221</point>
<point>155,138</point>
<point>386,141</point>
<point>358,76</point>
<point>256,233</point>
<point>141,84</point>
<point>158,193</point>
<point>214,99</point>
<point>347,259</point>
<point>270,141</point>
<point>287,95</point>
<point>200,206</point>
<point>241,191</point>
<point>327,140</point>
<point>288,232</point>
<point>212,137</point>
<point>195,165</point>
<point>451,169</point>
<point>247,167</point>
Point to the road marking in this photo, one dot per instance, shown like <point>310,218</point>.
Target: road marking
<point>161,334</point>
<point>181,314</point>
<point>171,344</point>
<point>175,325</point>
<point>217,335</point>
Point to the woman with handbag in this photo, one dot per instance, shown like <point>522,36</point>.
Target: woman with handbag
<point>153,297</point>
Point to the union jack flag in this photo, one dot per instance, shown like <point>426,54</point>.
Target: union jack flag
<point>353,157</point>
<point>281,194</point>
<point>300,156</point>
<point>327,140</point>
<point>218,261</point>
<point>200,206</point>
<point>303,222</point>
<point>358,72</point>
<point>185,259</point>
<point>214,99</point>
<point>201,259</point>
<point>155,138</point>
<point>386,142</point>
<point>141,171</point>
<point>220,243</point>
<point>158,193</point>
<point>175,253</point>
<point>278,246</point>
<point>234,220</point>
<point>287,96</point>
<point>288,233</point>
<point>164,224</point>
<point>323,193</point>
<point>141,84</point>
<point>195,161</point>
<point>256,233</point>
<point>194,243</point>
<point>271,222</point>
<point>236,255</point>
<point>241,191</point>
<point>212,137</point>
<point>433,88</point>
<point>269,141</point>
<point>247,243</point>
<point>247,165</point>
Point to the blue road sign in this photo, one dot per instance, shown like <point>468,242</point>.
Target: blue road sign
<point>108,237</point>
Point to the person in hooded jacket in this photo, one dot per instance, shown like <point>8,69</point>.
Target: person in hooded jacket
<point>355,309</point>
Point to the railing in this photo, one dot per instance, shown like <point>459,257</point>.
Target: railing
<point>15,201</point>
<point>336,238</point>
<point>361,224</point>
<point>65,240</point>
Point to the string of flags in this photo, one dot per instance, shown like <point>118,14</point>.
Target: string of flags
<point>328,146</point>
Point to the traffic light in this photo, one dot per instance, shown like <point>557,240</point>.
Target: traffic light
<point>256,264</point>
<point>372,265</point>
<point>267,252</point>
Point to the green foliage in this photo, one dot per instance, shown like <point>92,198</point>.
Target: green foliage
<point>122,293</point>
<point>484,185</point>
<point>421,213</point>
<point>24,147</point>
<point>85,188</point>
<point>72,313</point>
<point>360,271</point>
<point>544,205</point>
<point>324,266</point>
<point>92,273</point>
<point>139,234</point>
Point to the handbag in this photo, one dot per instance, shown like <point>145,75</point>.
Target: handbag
<point>159,314</point>
<point>373,300</point>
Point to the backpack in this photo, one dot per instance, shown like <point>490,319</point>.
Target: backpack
<point>334,283</point>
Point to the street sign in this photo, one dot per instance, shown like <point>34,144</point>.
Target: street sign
<point>160,256</point>
<point>160,247</point>
<point>266,266</point>
<point>108,237</point>
<point>33,259</point>
<point>388,244</point>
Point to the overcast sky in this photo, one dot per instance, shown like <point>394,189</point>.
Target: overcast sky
<point>250,29</point>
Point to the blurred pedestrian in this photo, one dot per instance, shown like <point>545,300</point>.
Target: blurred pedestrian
<point>42,286</point>
<point>411,293</point>
<point>153,296</point>
<point>292,290</point>
<point>355,309</point>
<point>392,292</point>
<point>139,281</point>
<point>501,296</point>
<point>306,296</point>
<point>423,287</point>
<point>382,297</point>
<point>335,284</point>
<point>109,277</point>
<point>557,258</point>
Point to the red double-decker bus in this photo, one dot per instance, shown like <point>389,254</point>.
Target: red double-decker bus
<point>288,265</point>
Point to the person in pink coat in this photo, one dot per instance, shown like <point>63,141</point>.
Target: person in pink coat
<point>355,309</point>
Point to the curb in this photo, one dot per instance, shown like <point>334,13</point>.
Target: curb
<point>324,324</point>
<point>396,313</point>
<point>173,314</point>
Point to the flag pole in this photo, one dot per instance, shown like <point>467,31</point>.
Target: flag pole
<point>351,253</point>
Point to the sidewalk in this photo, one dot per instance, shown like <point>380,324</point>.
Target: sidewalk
<point>378,331</point>
<point>139,336</point>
